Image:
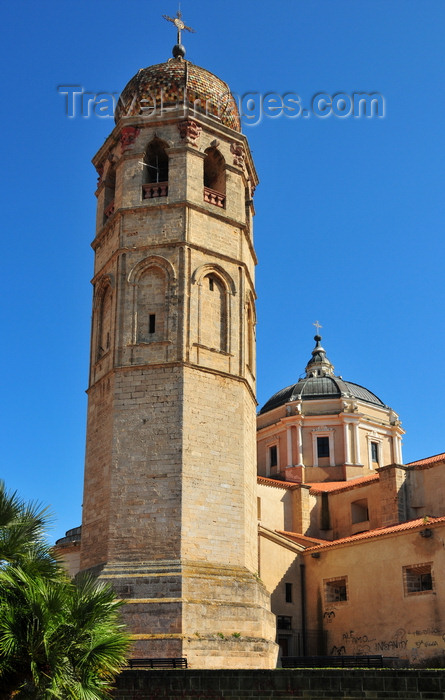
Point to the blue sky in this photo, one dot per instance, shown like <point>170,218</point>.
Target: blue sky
<point>350,211</point>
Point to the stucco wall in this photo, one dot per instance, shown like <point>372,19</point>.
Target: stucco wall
<point>425,489</point>
<point>340,510</point>
<point>69,557</point>
<point>378,616</point>
<point>276,507</point>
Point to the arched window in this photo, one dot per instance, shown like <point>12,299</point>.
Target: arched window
<point>151,306</point>
<point>214,178</point>
<point>155,179</point>
<point>250,337</point>
<point>110,187</point>
<point>213,313</point>
<point>104,323</point>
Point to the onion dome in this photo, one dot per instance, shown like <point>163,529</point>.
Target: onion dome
<point>320,383</point>
<point>178,83</point>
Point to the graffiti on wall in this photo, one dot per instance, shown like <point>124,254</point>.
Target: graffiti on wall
<point>406,644</point>
<point>338,651</point>
<point>329,615</point>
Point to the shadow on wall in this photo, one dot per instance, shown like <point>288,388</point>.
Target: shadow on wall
<point>287,604</point>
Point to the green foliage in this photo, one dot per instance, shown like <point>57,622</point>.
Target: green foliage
<point>59,639</point>
<point>22,530</point>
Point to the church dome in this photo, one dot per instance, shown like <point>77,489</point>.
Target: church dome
<point>320,383</point>
<point>173,83</point>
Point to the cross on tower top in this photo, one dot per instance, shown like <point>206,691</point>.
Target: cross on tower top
<point>317,326</point>
<point>178,50</point>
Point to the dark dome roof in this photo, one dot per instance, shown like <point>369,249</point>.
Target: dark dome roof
<point>320,388</point>
<point>171,83</point>
<point>320,383</point>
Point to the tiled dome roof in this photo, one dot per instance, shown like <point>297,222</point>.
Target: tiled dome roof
<point>320,382</point>
<point>171,83</point>
<point>310,388</point>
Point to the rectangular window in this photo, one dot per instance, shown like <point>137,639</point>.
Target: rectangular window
<point>323,447</point>
<point>418,579</point>
<point>288,592</point>
<point>258,507</point>
<point>284,622</point>
<point>151,323</point>
<point>374,452</point>
<point>273,456</point>
<point>336,590</point>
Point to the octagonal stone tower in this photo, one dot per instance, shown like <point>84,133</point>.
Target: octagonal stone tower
<point>169,511</point>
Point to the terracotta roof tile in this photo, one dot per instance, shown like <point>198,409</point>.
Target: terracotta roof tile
<point>179,82</point>
<point>329,486</point>
<point>380,532</point>
<point>428,461</point>
<point>300,538</point>
<point>276,483</point>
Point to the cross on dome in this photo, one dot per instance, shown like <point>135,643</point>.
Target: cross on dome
<point>179,49</point>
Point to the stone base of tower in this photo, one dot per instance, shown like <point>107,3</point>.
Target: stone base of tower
<point>217,617</point>
<point>242,652</point>
<point>227,621</point>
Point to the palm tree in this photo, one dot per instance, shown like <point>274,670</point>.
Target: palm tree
<point>59,639</point>
<point>22,533</point>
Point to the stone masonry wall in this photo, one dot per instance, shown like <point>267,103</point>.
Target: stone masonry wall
<point>392,495</point>
<point>96,500</point>
<point>317,684</point>
<point>146,488</point>
<point>218,471</point>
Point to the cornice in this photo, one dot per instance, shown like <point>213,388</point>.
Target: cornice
<point>281,540</point>
<point>186,364</point>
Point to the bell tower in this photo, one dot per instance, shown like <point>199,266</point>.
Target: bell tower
<point>169,512</point>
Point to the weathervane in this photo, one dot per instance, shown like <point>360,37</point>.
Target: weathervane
<point>179,49</point>
<point>317,326</point>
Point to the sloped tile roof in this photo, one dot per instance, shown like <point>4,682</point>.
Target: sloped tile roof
<point>380,532</point>
<point>428,461</point>
<point>329,486</point>
<point>276,483</point>
<point>320,487</point>
<point>301,539</point>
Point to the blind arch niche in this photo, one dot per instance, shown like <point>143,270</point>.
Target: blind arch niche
<point>152,280</point>
<point>215,289</point>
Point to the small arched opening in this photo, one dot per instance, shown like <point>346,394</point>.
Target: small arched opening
<point>110,188</point>
<point>155,178</point>
<point>214,320</point>
<point>214,178</point>
<point>250,337</point>
<point>104,322</point>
